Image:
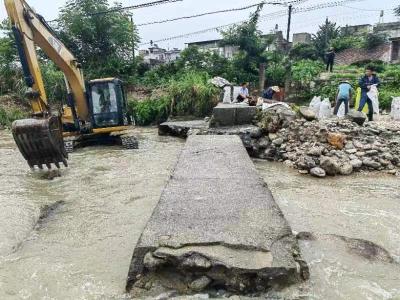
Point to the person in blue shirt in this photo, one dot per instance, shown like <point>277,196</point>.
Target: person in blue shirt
<point>270,92</point>
<point>365,83</point>
<point>345,92</point>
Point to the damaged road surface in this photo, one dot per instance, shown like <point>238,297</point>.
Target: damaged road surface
<point>215,227</point>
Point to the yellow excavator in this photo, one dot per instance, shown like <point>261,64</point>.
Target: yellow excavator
<point>96,111</point>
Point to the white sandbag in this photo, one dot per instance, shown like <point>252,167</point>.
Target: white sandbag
<point>315,104</point>
<point>228,96</point>
<point>342,111</point>
<point>325,110</point>
<point>373,94</point>
<point>395,113</point>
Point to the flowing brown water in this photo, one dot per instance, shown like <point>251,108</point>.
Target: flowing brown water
<point>72,237</point>
<point>364,206</point>
<point>82,247</point>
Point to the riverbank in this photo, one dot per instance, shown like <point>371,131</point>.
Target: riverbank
<point>82,248</point>
<point>326,147</point>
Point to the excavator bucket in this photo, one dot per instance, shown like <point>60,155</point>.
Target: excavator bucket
<point>40,141</point>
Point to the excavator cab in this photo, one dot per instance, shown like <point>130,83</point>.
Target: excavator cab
<point>107,103</point>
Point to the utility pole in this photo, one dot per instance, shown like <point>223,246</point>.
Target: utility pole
<point>262,78</point>
<point>133,38</point>
<point>289,22</point>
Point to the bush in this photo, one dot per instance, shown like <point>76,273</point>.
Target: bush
<point>151,111</point>
<point>305,71</point>
<point>346,42</point>
<point>373,40</point>
<point>378,65</point>
<point>303,51</point>
<point>385,96</point>
<point>9,115</point>
<point>192,94</point>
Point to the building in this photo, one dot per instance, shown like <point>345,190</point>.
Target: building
<point>227,51</point>
<point>357,29</point>
<point>388,52</point>
<point>301,38</point>
<point>275,42</point>
<point>155,55</point>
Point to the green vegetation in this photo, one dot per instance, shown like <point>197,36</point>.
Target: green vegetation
<point>102,43</point>
<point>104,47</point>
<point>190,94</point>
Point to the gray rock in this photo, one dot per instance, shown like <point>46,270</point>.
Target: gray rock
<point>307,113</point>
<point>356,117</point>
<point>318,172</point>
<point>315,151</point>
<point>330,165</point>
<point>278,141</point>
<point>305,163</point>
<point>388,156</point>
<point>368,162</point>
<point>264,143</point>
<point>351,151</point>
<point>372,152</point>
<point>151,262</point>
<point>346,168</point>
<point>356,163</point>
<point>200,284</point>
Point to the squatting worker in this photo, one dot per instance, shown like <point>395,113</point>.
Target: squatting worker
<point>243,93</point>
<point>366,82</point>
<point>270,92</point>
<point>345,92</point>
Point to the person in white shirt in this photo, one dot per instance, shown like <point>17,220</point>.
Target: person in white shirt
<point>243,93</point>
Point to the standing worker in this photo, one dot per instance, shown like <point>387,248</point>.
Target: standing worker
<point>366,82</point>
<point>330,59</point>
<point>345,92</point>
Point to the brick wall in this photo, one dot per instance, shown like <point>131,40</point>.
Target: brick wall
<point>349,56</point>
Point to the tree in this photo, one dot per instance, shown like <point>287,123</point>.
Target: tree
<point>10,71</point>
<point>303,51</point>
<point>251,47</point>
<point>102,42</point>
<point>397,11</point>
<point>322,39</point>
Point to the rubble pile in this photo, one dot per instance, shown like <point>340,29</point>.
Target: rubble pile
<point>326,147</point>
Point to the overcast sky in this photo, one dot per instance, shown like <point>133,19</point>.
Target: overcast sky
<point>355,12</point>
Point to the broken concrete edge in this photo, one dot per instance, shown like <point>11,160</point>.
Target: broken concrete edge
<point>242,280</point>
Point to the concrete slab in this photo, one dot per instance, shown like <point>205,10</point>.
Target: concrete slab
<point>215,226</point>
<point>232,114</point>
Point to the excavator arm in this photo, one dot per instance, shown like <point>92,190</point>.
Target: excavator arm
<point>40,138</point>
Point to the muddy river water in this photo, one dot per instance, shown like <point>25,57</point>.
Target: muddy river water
<point>72,237</point>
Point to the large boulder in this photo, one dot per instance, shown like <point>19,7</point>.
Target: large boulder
<point>357,117</point>
<point>307,113</point>
<point>330,165</point>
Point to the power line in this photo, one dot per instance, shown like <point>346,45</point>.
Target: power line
<point>138,6</point>
<point>199,15</point>
<point>365,9</point>
<point>262,17</point>
<point>219,12</point>
<point>143,5</point>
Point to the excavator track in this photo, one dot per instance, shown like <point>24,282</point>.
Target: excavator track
<point>129,141</point>
<point>40,141</point>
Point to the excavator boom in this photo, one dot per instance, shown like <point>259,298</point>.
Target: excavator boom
<point>39,139</point>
